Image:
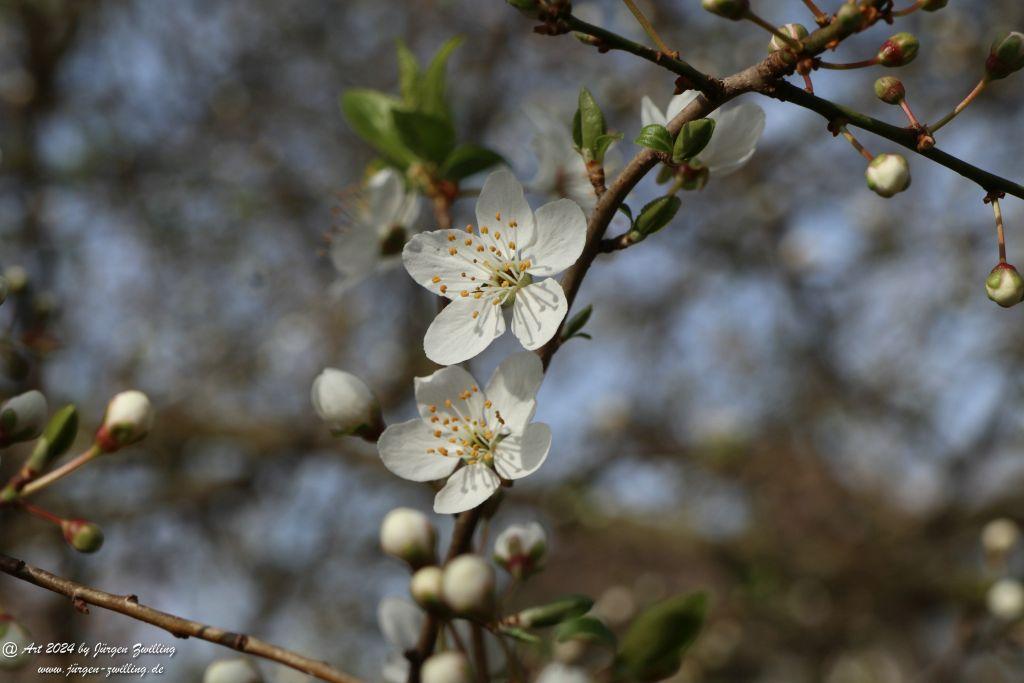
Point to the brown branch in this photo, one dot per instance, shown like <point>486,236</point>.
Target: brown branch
<point>178,627</point>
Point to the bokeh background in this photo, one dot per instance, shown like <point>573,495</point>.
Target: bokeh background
<point>797,396</point>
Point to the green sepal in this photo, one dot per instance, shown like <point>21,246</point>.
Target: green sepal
<point>693,137</point>
<point>576,323</point>
<point>656,137</point>
<point>656,215</point>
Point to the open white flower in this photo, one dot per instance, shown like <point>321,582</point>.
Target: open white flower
<point>376,224</point>
<point>400,622</point>
<point>560,168</point>
<point>491,270</point>
<point>474,438</point>
<point>737,131</point>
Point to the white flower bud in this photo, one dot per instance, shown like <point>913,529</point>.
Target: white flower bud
<point>1006,599</point>
<point>795,31</point>
<point>232,671</point>
<point>468,585</point>
<point>888,175</point>
<point>14,633</point>
<point>1004,285</point>
<point>730,9</point>
<point>1000,535</point>
<point>128,419</point>
<point>447,667</point>
<point>408,535</point>
<point>520,549</point>
<point>426,586</point>
<point>17,278</point>
<point>347,405</point>
<point>557,672</point>
<point>22,417</point>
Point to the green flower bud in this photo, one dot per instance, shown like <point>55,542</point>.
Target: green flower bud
<point>899,50</point>
<point>232,671</point>
<point>22,417</point>
<point>408,535</point>
<point>1004,285</point>
<point>15,638</point>
<point>890,90</point>
<point>447,667</point>
<point>83,536</point>
<point>468,586</point>
<point>426,587</point>
<point>1006,56</point>
<point>128,419</point>
<point>56,439</point>
<point>795,31</point>
<point>554,612</point>
<point>888,175</point>
<point>850,17</point>
<point>730,9</point>
<point>933,5</point>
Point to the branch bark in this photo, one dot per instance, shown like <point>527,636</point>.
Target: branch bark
<point>177,626</point>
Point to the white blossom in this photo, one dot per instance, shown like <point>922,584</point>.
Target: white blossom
<point>128,419</point>
<point>490,272</point>
<point>737,131</point>
<point>471,437</point>
<point>520,549</point>
<point>232,671</point>
<point>557,672</point>
<point>561,171</point>
<point>447,667</point>
<point>376,224</point>
<point>346,404</point>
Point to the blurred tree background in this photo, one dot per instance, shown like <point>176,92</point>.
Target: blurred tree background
<point>797,397</point>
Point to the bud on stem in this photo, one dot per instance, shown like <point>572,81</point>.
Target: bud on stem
<point>82,535</point>
<point>1006,56</point>
<point>128,419</point>
<point>899,50</point>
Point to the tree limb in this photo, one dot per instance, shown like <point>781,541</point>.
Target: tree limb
<point>178,627</point>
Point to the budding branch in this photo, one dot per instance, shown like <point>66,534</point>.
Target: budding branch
<point>178,627</point>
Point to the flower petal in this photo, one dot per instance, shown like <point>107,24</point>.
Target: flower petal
<point>538,310</point>
<point>429,260</point>
<point>679,103</point>
<point>448,384</point>
<point>400,621</point>
<point>467,488</point>
<point>403,448</point>
<point>521,454</point>
<point>502,196</point>
<point>385,193</point>
<point>737,132</point>
<point>456,336</point>
<point>560,235</point>
<point>513,388</point>
<point>355,252</point>
<point>649,113</point>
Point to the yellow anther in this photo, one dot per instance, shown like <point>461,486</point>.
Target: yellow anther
<point>437,433</point>
<point>511,245</point>
<point>451,237</point>
<point>469,242</point>
<point>444,288</point>
<point>435,279</point>
<point>475,314</point>
<point>453,251</point>
<point>432,408</point>
<point>484,230</point>
<point>464,292</point>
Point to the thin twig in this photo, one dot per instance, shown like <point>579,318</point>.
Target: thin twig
<point>177,626</point>
<point>647,26</point>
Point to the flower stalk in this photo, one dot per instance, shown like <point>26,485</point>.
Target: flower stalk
<point>856,143</point>
<point>67,468</point>
<point>792,42</point>
<point>648,28</point>
<point>978,89</point>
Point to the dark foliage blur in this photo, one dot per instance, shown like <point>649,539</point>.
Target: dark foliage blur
<point>797,396</point>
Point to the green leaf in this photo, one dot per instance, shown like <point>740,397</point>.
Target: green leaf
<point>577,134</point>
<point>587,629</point>
<point>554,612</point>
<point>408,76</point>
<point>591,125</point>
<point>577,322</point>
<point>368,112</point>
<point>604,143</point>
<point>432,87</point>
<point>656,215</point>
<point>692,139</point>
<point>465,160</point>
<point>665,174</point>
<point>430,138</point>
<point>628,212</point>
<point>56,439</point>
<point>655,137</point>
<point>520,634</point>
<point>653,647</point>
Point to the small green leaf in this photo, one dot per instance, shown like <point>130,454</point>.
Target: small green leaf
<point>554,612</point>
<point>604,143</point>
<point>655,137</point>
<point>577,133</point>
<point>653,647</point>
<point>665,174</point>
<point>56,439</point>
<point>465,160</point>
<point>692,139</point>
<point>577,322</point>
<point>587,629</point>
<point>520,634</point>
<point>591,125</point>
<point>432,88</point>
<point>628,212</point>
<point>656,215</point>
<point>368,112</point>
<point>430,138</point>
<point>408,76</point>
